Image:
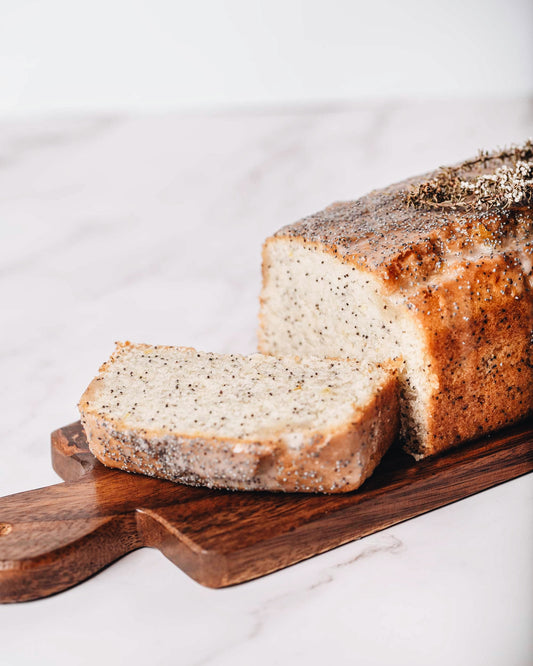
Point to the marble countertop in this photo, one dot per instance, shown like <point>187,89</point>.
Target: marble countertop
<point>150,229</point>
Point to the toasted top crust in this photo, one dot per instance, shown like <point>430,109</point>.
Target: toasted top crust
<point>404,245</point>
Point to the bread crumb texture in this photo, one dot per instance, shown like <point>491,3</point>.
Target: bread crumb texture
<point>233,421</point>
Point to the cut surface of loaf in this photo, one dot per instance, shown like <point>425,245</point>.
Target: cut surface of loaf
<point>446,289</point>
<point>241,422</point>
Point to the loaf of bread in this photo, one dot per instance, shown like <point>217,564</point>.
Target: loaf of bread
<point>436,270</point>
<point>241,422</point>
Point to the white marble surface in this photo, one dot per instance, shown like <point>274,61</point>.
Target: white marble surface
<point>149,229</point>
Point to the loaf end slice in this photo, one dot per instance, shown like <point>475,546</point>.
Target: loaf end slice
<point>241,422</point>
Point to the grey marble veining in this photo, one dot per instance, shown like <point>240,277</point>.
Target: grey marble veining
<point>150,229</point>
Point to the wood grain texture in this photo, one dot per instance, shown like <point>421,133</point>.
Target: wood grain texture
<point>55,537</point>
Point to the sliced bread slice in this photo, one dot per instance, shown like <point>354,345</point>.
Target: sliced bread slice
<point>241,422</point>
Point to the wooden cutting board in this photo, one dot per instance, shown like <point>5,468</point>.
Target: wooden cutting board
<point>55,537</point>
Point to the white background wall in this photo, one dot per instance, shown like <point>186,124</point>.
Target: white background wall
<point>175,54</point>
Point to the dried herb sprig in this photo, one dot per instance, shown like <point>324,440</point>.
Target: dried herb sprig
<point>509,184</point>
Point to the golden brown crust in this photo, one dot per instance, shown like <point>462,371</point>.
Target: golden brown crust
<point>333,462</point>
<point>479,349</point>
<point>402,245</point>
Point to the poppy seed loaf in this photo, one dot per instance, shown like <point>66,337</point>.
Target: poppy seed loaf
<point>446,287</point>
<point>241,422</point>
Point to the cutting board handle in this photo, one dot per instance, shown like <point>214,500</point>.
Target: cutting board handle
<point>53,538</point>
